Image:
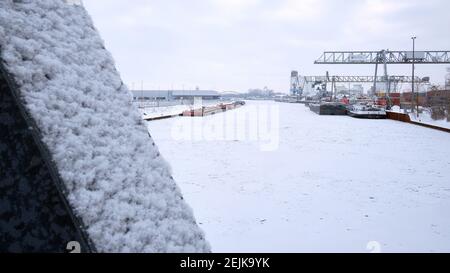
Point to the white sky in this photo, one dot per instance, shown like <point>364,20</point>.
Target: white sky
<point>234,45</point>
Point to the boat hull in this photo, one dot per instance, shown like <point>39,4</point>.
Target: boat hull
<point>367,115</point>
<point>329,109</point>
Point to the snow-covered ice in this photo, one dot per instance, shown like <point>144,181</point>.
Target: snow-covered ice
<point>335,184</point>
<point>117,182</point>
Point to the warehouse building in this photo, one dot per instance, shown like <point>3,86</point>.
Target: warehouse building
<point>170,95</point>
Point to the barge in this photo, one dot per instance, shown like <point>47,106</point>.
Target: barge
<point>329,108</point>
<point>212,110</point>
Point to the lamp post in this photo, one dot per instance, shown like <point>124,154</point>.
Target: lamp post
<point>413,80</point>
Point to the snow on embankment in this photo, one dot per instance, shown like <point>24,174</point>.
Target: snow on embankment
<point>118,184</point>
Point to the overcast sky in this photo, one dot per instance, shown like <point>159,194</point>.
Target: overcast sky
<point>235,45</point>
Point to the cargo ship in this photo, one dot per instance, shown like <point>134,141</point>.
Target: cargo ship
<point>329,108</point>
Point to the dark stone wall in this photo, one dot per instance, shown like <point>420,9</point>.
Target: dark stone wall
<point>34,216</point>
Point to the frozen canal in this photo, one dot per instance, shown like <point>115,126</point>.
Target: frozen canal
<point>324,184</point>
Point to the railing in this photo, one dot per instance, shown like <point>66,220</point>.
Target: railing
<point>363,79</point>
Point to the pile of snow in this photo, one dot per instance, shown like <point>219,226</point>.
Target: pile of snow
<point>118,184</point>
<point>396,109</point>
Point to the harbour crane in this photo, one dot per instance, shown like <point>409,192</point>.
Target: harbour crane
<point>298,82</point>
<point>384,57</point>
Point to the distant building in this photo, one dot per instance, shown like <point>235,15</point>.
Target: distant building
<point>357,89</point>
<point>168,95</point>
<point>438,98</point>
<point>407,97</point>
<point>204,94</point>
<point>341,89</point>
<point>447,79</point>
<point>74,2</point>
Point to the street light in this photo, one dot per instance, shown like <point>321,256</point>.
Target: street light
<point>413,83</point>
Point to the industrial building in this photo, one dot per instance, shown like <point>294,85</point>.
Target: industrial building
<point>170,95</point>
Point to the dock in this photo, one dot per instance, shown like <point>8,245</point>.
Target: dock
<point>212,110</point>
<point>196,112</point>
<point>406,118</point>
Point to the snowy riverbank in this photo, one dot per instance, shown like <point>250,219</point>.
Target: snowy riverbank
<point>424,117</point>
<point>155,112</point>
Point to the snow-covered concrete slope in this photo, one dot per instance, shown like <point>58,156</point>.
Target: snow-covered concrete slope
<point>118,184</point>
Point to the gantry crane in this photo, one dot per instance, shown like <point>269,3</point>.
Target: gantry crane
<point>298,82</point>
<point>384,57</point>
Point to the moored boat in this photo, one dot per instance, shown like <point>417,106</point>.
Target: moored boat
<point>329,108</point>
<point>367,112</point>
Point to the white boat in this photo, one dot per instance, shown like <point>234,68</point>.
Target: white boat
<point>367,112</point>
